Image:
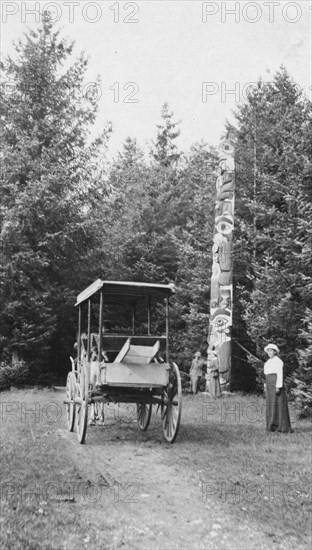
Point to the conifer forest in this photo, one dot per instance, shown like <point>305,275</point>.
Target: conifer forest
<point>69,214</point>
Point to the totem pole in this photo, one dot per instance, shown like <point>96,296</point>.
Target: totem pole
<point>221,293</point>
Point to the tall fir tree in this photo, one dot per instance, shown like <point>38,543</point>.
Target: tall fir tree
<point>272,151</point>
<point>165,151</point>
<point>49,241</point>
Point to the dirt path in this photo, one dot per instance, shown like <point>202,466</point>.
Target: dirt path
<point>153,491</point>
<point>127,489</point>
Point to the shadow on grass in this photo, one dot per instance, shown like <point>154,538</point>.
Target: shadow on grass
<point>207,434</point>
<point>220,434</point>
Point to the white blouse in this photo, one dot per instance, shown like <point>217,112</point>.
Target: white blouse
<point>275,366</point>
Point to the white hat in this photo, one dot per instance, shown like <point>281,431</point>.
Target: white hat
<point>198,354</point>
<point>271,346</point>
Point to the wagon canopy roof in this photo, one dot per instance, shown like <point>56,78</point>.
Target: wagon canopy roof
<point>125,291</point>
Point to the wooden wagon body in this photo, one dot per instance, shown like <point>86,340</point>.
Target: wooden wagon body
<point>117,367</point>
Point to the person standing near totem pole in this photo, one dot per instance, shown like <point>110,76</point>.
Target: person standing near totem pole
<point>214,377</point>
<point>196,371</point>
<point>277,414</point>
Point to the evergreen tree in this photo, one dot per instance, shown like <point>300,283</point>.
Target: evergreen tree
<point>125,213</point>
<point>302,378</point>
<point>192,232</point>
<point>161,221</point>
<point>272,151</point>
<point>49,241</point>
<point>146,201</point>
<point>165,151</point>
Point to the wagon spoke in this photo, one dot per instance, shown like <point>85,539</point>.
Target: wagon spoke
<point>164,414</point>
<point>174,412</point>
<point>70,405</point>
<point>144,413</point>
<point>171,407</point>
<point>82,409</point>
<point>170,423</point>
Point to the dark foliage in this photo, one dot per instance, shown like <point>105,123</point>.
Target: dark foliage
<point>63,224</point>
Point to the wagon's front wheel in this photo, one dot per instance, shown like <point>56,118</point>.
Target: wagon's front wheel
<point>70,405</point>
<point>144,412</point>
<point>82,404</point>
<point>172,405</point>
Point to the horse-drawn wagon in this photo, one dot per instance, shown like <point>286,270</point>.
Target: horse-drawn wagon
<point>118,367</point>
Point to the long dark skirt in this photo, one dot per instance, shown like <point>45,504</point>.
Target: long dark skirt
<point>277,414</point>
<point>214,384</point>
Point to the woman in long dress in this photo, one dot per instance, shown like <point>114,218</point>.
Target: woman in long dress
<point>196,371</point>
<point>277,414</point>
<point>213,372</point>
<point>215,387</point>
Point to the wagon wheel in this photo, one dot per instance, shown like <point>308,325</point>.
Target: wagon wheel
<point>70,396</point>
<point>82,404</point>
<point>171,405</point>
<point>144,413</point>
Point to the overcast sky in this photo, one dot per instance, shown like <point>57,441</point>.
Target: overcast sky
<point>188,53</point>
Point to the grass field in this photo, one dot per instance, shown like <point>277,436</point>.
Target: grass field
<point>222,450</point>
<point>264,476</point>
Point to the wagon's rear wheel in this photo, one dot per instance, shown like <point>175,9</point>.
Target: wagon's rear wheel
<point>171,405</point>
<point>70,405</point>
<point>144,413</point>
<point>82,405</point>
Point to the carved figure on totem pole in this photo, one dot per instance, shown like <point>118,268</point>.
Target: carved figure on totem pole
<point>221,292</point>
